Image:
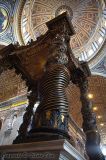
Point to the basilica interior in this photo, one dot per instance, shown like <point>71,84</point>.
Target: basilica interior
<point>23,25</point>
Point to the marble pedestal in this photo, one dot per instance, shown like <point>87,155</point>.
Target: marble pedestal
<point>46,150</point>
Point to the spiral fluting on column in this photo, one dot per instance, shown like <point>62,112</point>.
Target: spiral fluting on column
<point>53,108</point>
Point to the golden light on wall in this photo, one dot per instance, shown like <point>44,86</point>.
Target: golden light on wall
<point>95,108</point>
<point>99,117</point>
<point>90,96</point>
<point>101,124</point>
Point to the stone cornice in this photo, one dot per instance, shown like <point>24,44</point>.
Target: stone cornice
<point>14,102</point>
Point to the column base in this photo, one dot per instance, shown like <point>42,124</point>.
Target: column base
<point>42,134</point>
<point>46,150</point>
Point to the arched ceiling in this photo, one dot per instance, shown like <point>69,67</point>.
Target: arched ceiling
<point>88,18</point>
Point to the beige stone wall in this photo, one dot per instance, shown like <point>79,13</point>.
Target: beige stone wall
<point>11,120</point>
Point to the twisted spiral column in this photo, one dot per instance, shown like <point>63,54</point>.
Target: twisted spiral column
<point>32,97</point>
<point>53,109</point>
